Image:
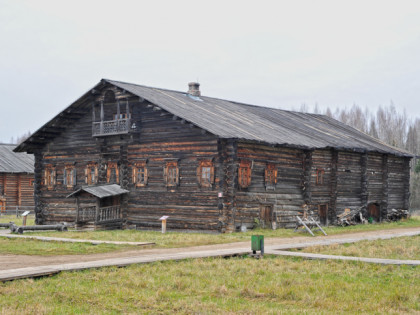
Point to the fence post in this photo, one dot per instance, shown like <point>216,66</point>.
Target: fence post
<point>17,212</point>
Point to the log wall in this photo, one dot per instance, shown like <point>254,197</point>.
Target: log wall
<point>16,190</point>
<point>286,197</point>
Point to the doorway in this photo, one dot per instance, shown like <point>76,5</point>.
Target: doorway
<point>323,214</point>
<point>374,211</point>
<point>266,215</point>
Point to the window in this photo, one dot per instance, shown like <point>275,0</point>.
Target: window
<point>270,175</point>
<point>69,176</point>
<point>140,174</point>
<point>50,176</point>
<point>205,174</point>
<point>320,176</point>
<point>112,174</point>
<point>171,173</point>
<point>91,174</point>
<point>244,174</point>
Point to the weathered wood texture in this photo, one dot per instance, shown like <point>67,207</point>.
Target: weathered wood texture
<point>330,179</point>
<point>285,197</point>
<point>16,190</point>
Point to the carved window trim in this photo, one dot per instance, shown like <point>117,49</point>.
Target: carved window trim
<point>140,175</point>
<point>171,174</point>
<point>50,176</point>
<point>244,173</point>
<point>205,173</point>
<point>69,176</point>
<point>270,175</point>
<point>91,179</point>
<point>112,166</point>
<point>320,172</point>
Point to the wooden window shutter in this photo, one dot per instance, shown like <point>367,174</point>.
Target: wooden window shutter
<point>199,174</point>
<point>74,176</point>
<point>244,174</point>
<point>87,174</point>
<point>171,173</point>
<point>205,173</point>
<point>270,174</point>
<point>65,177</point>
<point>137,168</point>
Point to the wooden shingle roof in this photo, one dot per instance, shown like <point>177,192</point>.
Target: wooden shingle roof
<point>228,119</point>
<point>233,120</point>
<point>11,162</point>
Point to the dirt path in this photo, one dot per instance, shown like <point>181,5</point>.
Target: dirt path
<point>22,261</point>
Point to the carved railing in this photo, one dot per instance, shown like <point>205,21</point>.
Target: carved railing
<point>111,127</point>
<point>86,214</point>
<point>104,214</point>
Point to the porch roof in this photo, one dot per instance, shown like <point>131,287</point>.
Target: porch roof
<point>101,191</point>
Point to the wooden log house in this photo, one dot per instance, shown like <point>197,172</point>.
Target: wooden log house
<point>16,179</point>
<point>207,163</point>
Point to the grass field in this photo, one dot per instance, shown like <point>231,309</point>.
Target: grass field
<point>397,248</point>
<point>272,285</point>
<point>168,240</point>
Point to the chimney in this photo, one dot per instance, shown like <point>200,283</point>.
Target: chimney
<point>194,89</point>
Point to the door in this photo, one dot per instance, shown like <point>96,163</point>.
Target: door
<point>323,212</point>
<point>373,211</point>
<point>1,206</point>
<point>266,215</point>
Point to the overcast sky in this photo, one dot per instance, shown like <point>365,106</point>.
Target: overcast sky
<point>272,53</point>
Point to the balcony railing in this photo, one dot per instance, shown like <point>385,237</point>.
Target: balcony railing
<point>111,127</point>
<point>101,215</point>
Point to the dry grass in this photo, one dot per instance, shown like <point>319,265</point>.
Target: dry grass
<point>272,285</point>
<point>17,220</point>
<point>396,248</point>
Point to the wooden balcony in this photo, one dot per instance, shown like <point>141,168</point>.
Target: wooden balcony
<point>111,127</point>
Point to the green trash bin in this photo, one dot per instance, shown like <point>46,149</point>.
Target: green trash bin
<point>257,242</point>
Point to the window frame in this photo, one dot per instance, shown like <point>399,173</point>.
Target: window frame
<point>50,176</point>
<point>171,174</point>
<point>109,167</point>
<point>69,176</point>
<point>136,171</point>
<point>320,173</point>
<point>207,181</point>
<point>244,173</point>
<point>88,173</point>
<point>270,175</point>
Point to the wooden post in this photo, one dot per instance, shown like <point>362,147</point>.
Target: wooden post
<point>101,128</point>
<point>118,110</point>
<point>163,226</point>
<point>364,179</point>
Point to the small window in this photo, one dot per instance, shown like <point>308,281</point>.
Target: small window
<point>320,176</point>
<point>31,182</point>
<point>244,174</point>
<point>171,173</point>
<point>140,174</point>
<point>205,174</point>
<point>270,175</point>
<point>91,174</point>
<point>50,176</point>
<point>112,174</point>
<point>69,176</point>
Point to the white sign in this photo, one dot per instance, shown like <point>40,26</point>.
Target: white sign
<point>25,213</point>
<point>164,217</point>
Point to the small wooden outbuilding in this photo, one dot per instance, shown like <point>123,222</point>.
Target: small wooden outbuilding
<point>16,179</point>
<point>208,163</point>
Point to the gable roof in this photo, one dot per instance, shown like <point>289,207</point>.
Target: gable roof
<point>11,162</point>
<point>228,119</point>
